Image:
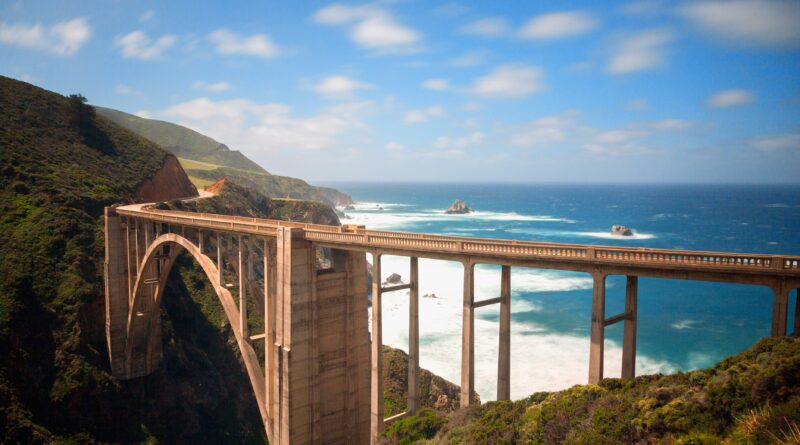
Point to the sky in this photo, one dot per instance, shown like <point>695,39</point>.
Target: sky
<point>545,91</point>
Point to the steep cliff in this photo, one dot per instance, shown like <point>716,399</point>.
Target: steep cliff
<point>168,182</point>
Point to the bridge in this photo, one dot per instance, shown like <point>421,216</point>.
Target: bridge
<point>320,379</point>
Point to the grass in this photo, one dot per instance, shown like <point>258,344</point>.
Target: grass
<point>197,165</point>
<point>200,183</point>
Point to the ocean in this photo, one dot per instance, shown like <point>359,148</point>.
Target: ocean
<point>683,325</point>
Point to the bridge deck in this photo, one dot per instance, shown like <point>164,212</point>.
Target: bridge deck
<point>666,263</point>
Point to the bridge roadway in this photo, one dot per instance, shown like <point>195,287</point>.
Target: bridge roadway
<point>779,272</point>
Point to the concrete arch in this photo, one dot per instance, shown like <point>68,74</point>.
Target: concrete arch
<point>143,334</point>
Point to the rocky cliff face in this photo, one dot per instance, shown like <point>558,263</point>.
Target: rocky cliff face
<point>169,182</point>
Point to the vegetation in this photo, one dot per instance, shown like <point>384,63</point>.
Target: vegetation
<point>207,161</point>
<point>751,398</point>
<point>181,141</point>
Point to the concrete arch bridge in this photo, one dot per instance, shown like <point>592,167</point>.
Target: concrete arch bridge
<point>320,380</point>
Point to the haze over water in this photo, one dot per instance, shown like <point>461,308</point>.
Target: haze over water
<point>683,325</point>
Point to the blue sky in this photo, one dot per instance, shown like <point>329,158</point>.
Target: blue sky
<point>642,91</point>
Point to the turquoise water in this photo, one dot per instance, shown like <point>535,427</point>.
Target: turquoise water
<point>682,324</point>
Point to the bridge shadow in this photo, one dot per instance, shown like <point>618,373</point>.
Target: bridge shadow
<point>201,382</point>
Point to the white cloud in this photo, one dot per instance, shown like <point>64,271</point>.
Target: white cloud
<point>580,67</point>
<point>558,25</point>
<point>212,87</point>
<point>509,81</point>
<point>333,87</point>
<point>64,38</point>
<point>641,51</point>
<point>642,7</point>
<point>125,90</point>
<point>472,139</point>
<point>258,127</point>
<point>370,27</point>
<point>628,148</point>
<point>147,16</point>
<point>750,22</point>
<point>672,124</point>
<point>441,142</point>
<point>788,141</point>
<point>471,58</point>
<point>638,105</point>
<point>258,45</point>
<point>487,27</point>
<point>423,115</point>
<point>395,146</point>
<point>436,84</point>
<point>137,45</point>
<point>543,131</point>
<point>731,98</point>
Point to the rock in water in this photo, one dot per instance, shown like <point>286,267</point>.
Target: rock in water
<point>350,207</point>
<point>459,207</point>
<point>617,229</point>
<point>394,279</point>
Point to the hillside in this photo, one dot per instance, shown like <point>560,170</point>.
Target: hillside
<point>181,141</point>
<point>206,161</point>
<point>750,398</point>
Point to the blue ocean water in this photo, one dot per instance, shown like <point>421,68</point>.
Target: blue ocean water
<point>682,324</point>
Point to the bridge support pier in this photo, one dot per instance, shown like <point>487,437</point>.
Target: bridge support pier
<point>629,334</point>
<point>780,308</point>
<point>413,337</point>
<point>796,312</point>
<point>504,348</point>
<point>376,393</point>
<point>596,347</point>
<point>468,336</point>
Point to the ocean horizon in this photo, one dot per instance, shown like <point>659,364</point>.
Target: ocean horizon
<point>683,325</point>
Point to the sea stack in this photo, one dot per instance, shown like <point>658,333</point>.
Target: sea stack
<point>459,207</point>
<point>619,230</point>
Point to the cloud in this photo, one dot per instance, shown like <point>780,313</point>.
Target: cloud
<point>423,115</point>
<point>731,98</point>
<point>137,45</point>
<point>748,22</point>
<point>63,39</point>
<point>147,16</point>
<point>509,81</point>
<point>641,51</point>
<point>395,146</point>
<point>558,25</point>
<point>472,139</point>
<point>487,27</point>
<point>261,127</point>
<point>333,87</point>
<point>212,87</point>
<point>258,45</point>
<point>788,141</point>
<point>370,27</point>
<point>436,84</point>
<point>543,131</point>
<point>643,7</point>
<point>638,105</point>
<point>471,58</point>
<point>125,90</point>
<point>627,148</point>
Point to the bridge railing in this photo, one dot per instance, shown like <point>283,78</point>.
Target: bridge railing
<point>362,237</point>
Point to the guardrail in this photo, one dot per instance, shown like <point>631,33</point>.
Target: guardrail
<point>513,249</point>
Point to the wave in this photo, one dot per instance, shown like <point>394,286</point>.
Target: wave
<point>531,344</point>
<point>369,215</point>
<point>579,234</point>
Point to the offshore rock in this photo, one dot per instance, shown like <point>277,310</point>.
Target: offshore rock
<point>394,279</point>
<point>459,207</point>
<point>619,230</point>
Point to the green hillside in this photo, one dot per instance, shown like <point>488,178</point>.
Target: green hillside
<point>206,161</point>
<point>181,141</point>
<point>750,398</point>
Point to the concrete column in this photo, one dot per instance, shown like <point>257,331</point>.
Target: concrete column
<point>780,307</point>
<point>376,390</point>
<point>243,328</point>
<point>219,259</point>
<point>797,312</point>
<point>413,337</point>
<point>116,293</point>
<point>598,329</point>
<point>629,335</point>
<point>269,336</point>
<point>200,240</point>
<point>504,348</point>
<point>468,336</point>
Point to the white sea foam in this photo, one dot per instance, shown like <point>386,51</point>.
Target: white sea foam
<point>683,324</point>
<point>608,235</point>
<point>370,215</point>
<point>539,360</point>
<point>579,234</point>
